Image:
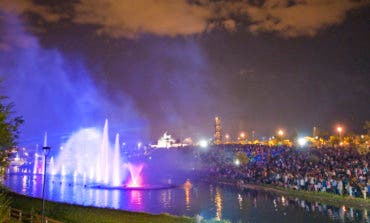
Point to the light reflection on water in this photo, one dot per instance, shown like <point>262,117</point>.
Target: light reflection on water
<point>115,200</point>
<point>190,199</point>
<point>187,188</point>
<point>218,203</point>
<point>24,184</point>
<point>136,199</point>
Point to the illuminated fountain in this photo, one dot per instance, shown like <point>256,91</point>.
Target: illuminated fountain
<point>87,155</point>
<point>52,166</point>
<point>135,173</point>
<point>116,163</point>
<point>37,164</point>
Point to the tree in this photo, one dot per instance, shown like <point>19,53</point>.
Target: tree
<point>4,206</point>
<point>9,131</point>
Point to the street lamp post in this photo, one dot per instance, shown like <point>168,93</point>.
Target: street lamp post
<point>227,137</point>
<point>340,130</point>
<point>280,132</point>
<point>280,136</point>
<point>242,135</point>
<point>46,150</point>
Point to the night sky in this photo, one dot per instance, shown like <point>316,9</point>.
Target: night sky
<point>151,66</point>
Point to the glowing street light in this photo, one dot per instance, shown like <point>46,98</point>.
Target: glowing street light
<point>280,132</point>
<point>203,143</point>
<point>302,141</point>
<point>340,130</point>
<point>227,137</point>
<point>242,135</point>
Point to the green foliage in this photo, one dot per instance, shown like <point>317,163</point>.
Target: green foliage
<point>4,206</point>
<point>80,214</point>
<point>9,131</point>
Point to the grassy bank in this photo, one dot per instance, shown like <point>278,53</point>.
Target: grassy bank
<point>79,214</point>
<point>321,197</point>
<point>311,196</point>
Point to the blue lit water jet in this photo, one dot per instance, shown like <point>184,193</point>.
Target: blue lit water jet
<point>88,154</point>
<point>116,162</point>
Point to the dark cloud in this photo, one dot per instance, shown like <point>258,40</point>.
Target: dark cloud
<point>299,17</point>
<point>21,7</point>
<point>132,18</point>
<point>185,63</point>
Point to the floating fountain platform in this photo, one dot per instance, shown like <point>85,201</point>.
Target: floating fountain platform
<point>125,187</point>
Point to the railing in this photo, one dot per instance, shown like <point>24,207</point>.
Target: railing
<point>18,216</point>
<point>21,216</point>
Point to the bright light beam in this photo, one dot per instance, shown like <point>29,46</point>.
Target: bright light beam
<point>203,143</point>
<point>302,142</point>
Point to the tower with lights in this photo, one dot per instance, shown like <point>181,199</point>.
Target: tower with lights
<point>218,131</point>
<point>315,131</point>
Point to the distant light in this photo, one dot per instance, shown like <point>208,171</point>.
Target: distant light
<point>237,162</point>
<point>139,145</point>
<point>283,199</point>
<point>242,135</point>
<point>227,136</point>
<point>302,141</point>
<point>339,129</point>
<point>280,132</point>
<point>203,143</point>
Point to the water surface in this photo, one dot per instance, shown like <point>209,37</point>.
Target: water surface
<point>207,200</point>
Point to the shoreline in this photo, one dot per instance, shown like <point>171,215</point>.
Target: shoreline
<point>66,212</point>
<point>311,196</point>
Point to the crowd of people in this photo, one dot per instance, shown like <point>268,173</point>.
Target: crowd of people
<point>335,170</point>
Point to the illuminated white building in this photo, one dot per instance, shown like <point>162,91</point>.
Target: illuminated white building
<point>166,141</point>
